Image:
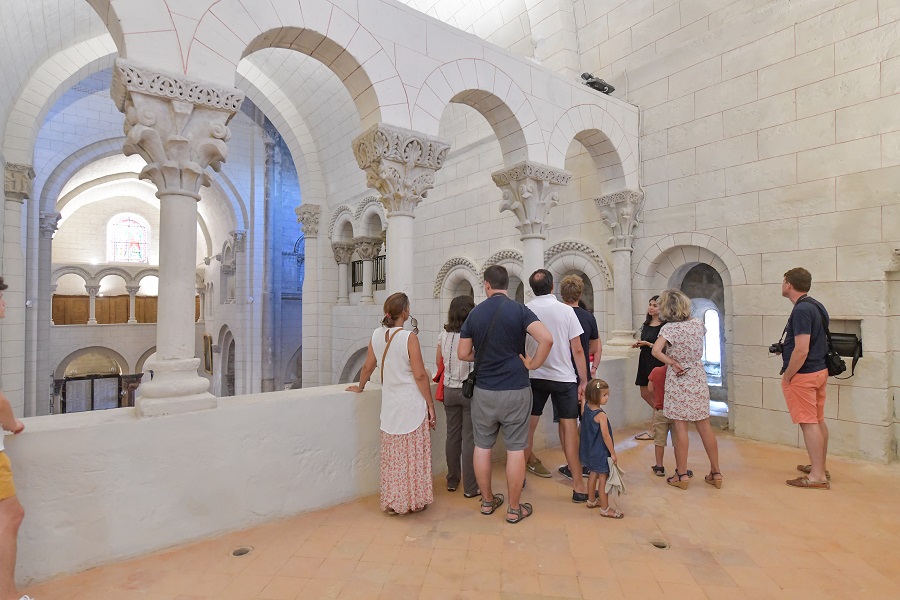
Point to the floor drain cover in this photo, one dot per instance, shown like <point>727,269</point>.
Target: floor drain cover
<point>660,544</point>
<point>241,552</point>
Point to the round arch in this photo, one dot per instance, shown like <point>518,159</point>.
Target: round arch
<point>72,270</point>
<point>125,275</point>
<point>60,371</point>
<point>370,216</point>
<point>142,359</point>
<point>494,94</point>
<point>341,218</point>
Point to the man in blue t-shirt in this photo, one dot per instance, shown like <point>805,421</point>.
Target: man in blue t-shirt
<point>804,374</point>
<point>502,398</point>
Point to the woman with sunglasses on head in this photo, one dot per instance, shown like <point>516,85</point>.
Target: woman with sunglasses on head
<point>407,410</point>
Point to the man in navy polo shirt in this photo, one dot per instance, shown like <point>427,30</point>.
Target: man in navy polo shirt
<point>502,398</point>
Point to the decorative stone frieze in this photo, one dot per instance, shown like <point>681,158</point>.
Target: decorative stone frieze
<point>530,190</point>
<point>177,125</point>
<point>502,255</point>
<point>623,212</point>
<point>400,164</point>
<point>239,239</point>
<point>583,250</point>
<point>49,221</point>
<point>446,268</point>
<point>361,207</point>
<point>367,247</point>
<point>342,252</point>
<point>340,210</point>
<point>18,181</point>
<point>308,217</point>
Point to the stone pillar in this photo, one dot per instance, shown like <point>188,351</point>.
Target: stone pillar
<point>367,248</point>
<point>400,164</point>
<point>530,190</point>
<point>132,293</point>
<point>622,211</point>
<point>308,217</point>
<point>130,384</point>
<point>342,253</point>
<point>44,301</point>
<point>179,127</point>
<point>201,291</point>
<point>92,303</point>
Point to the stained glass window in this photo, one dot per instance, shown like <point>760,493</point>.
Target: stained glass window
<point>128,239</point>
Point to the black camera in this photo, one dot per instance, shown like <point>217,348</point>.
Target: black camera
<point>776,348</point>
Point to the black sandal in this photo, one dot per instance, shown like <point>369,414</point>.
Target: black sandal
<point>523,512</point>
<point>659,471</point>
<point>493,505</point>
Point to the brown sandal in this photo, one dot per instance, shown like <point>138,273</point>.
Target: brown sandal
<point>806,482</point>
<point>808,468</point>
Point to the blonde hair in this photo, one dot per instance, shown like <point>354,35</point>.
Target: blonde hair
<point>570,288</point>
<point>674,306</point>
<point>594,391</point>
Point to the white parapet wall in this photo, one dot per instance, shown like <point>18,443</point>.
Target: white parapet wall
<point>104,486</point>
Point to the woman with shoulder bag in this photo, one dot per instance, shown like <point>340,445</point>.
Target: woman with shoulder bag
<point>460,438</point>
<point>407,410</point>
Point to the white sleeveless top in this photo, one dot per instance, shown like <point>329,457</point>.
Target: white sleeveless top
<point>402,406</point>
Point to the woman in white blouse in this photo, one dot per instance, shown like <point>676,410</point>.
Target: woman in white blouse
<point>460,439</point>
<point>407,410</point>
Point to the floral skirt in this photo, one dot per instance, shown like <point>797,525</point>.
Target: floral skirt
<point>406,481</point>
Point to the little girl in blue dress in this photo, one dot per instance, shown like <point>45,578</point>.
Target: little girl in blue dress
<point>597,447</point>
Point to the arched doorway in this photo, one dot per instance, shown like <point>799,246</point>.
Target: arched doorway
<point>90,379</point>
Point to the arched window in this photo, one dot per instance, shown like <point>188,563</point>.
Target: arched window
<point>712,351</point>
<point>128,239</point>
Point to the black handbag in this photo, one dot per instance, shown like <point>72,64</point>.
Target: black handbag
<point>468,384</point>
<point>839,344</point>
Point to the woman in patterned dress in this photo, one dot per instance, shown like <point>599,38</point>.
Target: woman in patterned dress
<point>407,410</point>
<point>680,347</point>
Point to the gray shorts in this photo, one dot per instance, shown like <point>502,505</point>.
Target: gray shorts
<point>509,410</point>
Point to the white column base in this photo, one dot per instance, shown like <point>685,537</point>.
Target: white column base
<point>92,321</point>
<point>132,320</point>
<point>176,388</point>
<point>619,344</point>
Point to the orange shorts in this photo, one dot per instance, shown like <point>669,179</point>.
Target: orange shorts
<point>805,396</point>
<point>7,487</point>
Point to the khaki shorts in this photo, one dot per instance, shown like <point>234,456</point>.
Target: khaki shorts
<point>7,487</point>
<point>509,410</point>
<point>662,425</point>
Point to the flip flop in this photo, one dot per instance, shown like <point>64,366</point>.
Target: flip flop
<point>644,436</point>
<point>493,505</point>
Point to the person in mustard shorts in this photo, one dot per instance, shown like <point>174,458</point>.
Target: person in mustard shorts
<point>11,511</point>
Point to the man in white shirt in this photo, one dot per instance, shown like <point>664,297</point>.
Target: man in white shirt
<point>557,379</point>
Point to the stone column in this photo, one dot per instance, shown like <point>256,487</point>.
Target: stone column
<point>44,301</point>
<point>179,127</point>
<point>132,293</point>
<point>201,291</point>
<point>622,211</point>
<point>530,190</point>
<point>367,248</point>
<point>92,291</point>
<point>52,292</point>
<point>308,217</point>
<point>342,253</point>
<point>400,164</point>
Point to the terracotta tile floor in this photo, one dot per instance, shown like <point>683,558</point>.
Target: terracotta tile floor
<point>755,538</point>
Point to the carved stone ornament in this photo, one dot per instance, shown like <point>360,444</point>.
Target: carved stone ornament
<point>530,190</point>
<point>92,290</point>
<point>623,212</point>
<point>340,210</point>
<point>361,207</point>
<point>499,257</point>
<point>308,217</point>
<point>177,125</point>
<point>239,239</point>
<point>18,181</point>
<point>367,247</point>
<point>580,249</point>
<point>400,164</point>
<point>228,270</point>
<point>207,260</point>
<point>49,221</point>
<point>342,252</point>
<point>132,289</point>
<point>445,270</point>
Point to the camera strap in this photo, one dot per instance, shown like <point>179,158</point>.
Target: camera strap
<point>858,350</point>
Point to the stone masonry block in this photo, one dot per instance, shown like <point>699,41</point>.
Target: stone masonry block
<point>796,136</point>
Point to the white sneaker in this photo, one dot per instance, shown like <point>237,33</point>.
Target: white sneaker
<point>26,598</point>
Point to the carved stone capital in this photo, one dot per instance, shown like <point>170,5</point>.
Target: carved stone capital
<point>400,164</point>
<point>342,252</point>
<point>132,289</point>
<point>228,270</point>
<point>49,221</point>
<point>92,290</point>
<point>308,217</point>
<point>530,190</point>
<point>18,181</point>
<point>367,247</point>
<point>623,212</point>
<point>239,239</point>
<point>207,260</point>
<point>177,125</point>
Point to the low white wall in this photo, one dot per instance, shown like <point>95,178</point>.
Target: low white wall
<point>104,486</point>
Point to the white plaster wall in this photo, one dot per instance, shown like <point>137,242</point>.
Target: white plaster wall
<point>251,460</point>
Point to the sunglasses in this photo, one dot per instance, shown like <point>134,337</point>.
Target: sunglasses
<point>415,325</point>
